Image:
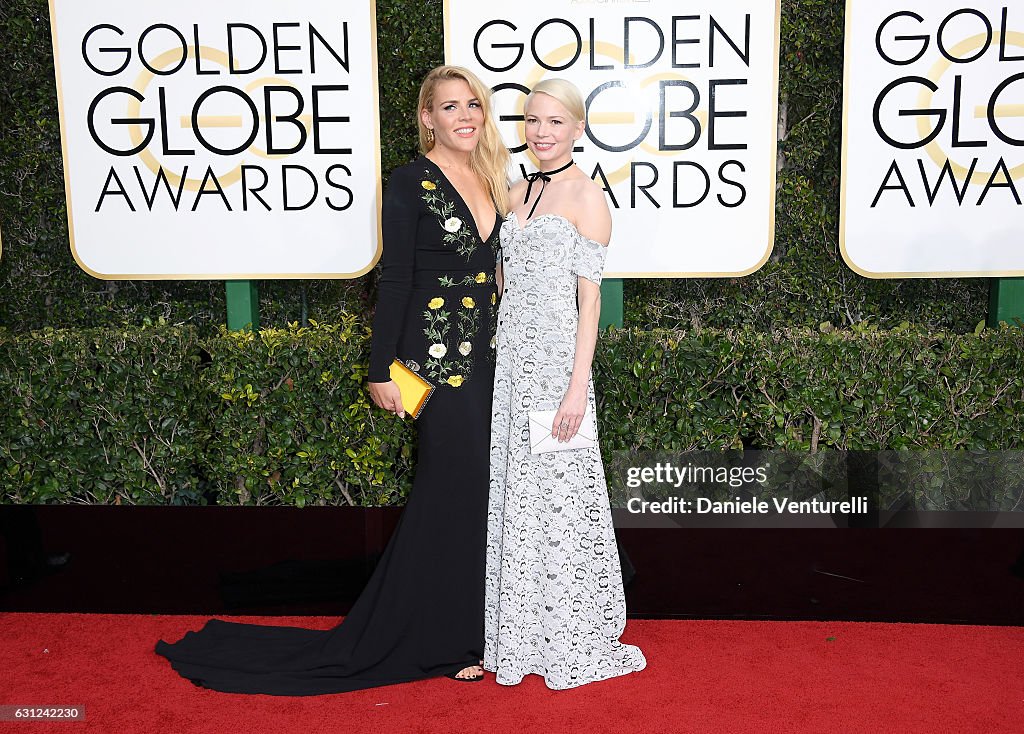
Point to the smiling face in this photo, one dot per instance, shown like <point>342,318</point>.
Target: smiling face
<point>551,130</point>
<point>456,116</point>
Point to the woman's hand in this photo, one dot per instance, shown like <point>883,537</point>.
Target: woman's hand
<point>569,414</point>
<point>386,395</point>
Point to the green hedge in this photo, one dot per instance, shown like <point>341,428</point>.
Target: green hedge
<point>802,390</point>
<point>292,422</point>
<point>805,283</point>
<point>102,416</point>
<point>281,416</point>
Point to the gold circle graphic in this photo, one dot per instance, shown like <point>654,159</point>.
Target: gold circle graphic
<point>134,109</point>
<point>614,52</point>
<point>925,97</point>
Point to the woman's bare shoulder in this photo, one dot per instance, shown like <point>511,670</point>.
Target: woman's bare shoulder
<point>593,218</point>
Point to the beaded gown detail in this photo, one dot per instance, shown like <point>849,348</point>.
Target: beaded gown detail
<point>421,613</point>
<point>554,602</point>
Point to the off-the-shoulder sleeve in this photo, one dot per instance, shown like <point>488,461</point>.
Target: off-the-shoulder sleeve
<point>588,258</point>
<point>399,217</point>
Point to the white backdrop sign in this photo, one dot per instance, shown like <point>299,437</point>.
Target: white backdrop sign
<point>219,139</point>
<point>933,144</point>
<point>682,107</point>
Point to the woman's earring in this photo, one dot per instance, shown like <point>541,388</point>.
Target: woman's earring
<point>430,136</point>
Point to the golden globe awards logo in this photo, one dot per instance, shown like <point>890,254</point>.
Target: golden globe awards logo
<point>221,139</point>
<point>271,117</point>
<point>680,116</point>
<point>621,120</point>
<point>948,92</point>
<point>934,138</point>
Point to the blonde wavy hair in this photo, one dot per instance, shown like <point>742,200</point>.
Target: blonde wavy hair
<point>490,159</point>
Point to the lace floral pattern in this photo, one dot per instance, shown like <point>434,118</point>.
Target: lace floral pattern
<point>554,601</point>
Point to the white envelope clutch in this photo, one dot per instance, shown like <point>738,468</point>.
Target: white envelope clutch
<point>541,440</point>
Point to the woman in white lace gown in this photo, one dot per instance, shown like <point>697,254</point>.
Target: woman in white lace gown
<point>554,601</point>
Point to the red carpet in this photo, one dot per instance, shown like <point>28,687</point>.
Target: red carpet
<point>702,676</point>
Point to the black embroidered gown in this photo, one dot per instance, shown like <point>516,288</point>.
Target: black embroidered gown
<point>421,614</point>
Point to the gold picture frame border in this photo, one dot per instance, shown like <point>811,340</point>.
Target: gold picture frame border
<point>774,177</point>
<point>240,275</point>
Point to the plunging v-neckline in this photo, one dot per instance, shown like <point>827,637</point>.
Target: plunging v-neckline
<point>466,207</point>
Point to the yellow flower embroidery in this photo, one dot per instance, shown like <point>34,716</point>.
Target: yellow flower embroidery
<point>468,302</point>
<point>481,277</point>
<point>436,303</point>
<point>455,380</point>
<point>428,185</point>
<point>494,298</point>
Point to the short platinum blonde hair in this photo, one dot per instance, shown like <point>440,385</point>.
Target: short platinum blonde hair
<point>565,92</point>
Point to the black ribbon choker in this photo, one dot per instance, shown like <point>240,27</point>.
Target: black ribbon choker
<point>544,177</point>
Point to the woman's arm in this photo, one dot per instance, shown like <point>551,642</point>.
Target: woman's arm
<point>574,403</point>
<point>595,224</point>
<point>399,217</point>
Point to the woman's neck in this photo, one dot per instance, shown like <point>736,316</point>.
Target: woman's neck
<point>554,165</point>
<point>450,159</point>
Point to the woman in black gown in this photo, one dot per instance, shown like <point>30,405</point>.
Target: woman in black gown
<point>421,614</point>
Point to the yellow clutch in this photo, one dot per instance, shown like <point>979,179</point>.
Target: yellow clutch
<point>415,390</point>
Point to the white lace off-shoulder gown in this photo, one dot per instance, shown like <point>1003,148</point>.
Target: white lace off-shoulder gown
<point>554,602</point>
